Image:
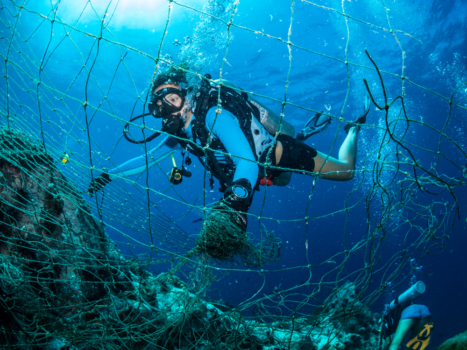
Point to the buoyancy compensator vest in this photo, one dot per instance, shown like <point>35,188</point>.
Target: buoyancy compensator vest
<point>248,115</point>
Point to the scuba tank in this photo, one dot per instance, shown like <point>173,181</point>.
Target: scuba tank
<point>409,295</point>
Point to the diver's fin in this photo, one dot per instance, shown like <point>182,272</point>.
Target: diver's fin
<point>362,118</point>
<point>315,125</point>
<point>367,104</point>
<point>367,108</point>
<point>422,336</point>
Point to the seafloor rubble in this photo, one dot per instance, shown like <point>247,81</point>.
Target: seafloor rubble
<point>65,285</point>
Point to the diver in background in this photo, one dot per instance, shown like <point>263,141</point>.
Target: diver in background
<point>240,131</point>
<point>415,318</point>
<point>402,317</point>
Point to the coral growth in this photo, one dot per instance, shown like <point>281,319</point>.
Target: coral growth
<point>459,342</point>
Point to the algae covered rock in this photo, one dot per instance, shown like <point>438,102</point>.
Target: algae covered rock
<point>459,342</point>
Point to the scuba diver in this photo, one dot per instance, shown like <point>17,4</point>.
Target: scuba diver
<point>230,133</point>
<point>402,317</point>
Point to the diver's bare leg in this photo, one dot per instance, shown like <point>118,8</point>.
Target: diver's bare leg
<point>402,330</point>
<point>346,162</point>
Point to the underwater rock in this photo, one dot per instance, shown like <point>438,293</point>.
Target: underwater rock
<point>65,285</point>
<point>348,320</point>
<point>458,342</point>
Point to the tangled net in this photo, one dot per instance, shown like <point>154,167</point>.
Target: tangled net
<point>222,239</point>
<point>127,268</point>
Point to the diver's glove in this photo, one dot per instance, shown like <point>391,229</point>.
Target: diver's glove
<point>360,120</point>
<point>237,198</point>
<point>98,183</point>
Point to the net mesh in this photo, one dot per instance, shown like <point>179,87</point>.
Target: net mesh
<point>123,269</point>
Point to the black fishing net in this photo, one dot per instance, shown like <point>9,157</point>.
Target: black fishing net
<point>123,270</point>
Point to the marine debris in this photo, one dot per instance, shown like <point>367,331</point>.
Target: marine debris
<point>65,285</point>
<point>222,239</point>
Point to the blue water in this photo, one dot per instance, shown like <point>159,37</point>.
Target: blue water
<point>312,75</point>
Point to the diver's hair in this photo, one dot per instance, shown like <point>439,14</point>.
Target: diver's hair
<point>174,75</point>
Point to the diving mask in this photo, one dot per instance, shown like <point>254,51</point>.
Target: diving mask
<point>167,101</point>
